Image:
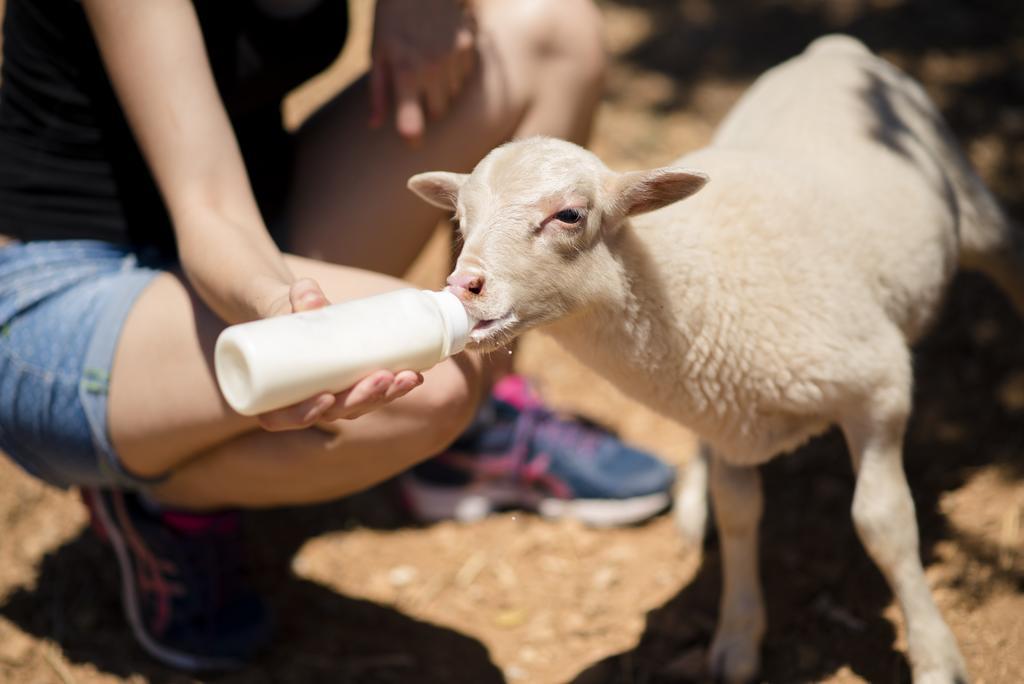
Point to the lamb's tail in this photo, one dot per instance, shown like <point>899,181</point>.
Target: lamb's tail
<point>990,241</point>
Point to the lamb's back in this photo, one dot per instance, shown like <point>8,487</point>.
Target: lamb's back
<point>785,290</point>
<point>825,175</point>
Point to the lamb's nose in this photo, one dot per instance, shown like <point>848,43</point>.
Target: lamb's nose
<point>466,285</point>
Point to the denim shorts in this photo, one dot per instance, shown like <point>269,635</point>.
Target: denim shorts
<point>62,308</point>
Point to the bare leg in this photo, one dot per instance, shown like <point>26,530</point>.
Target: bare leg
<point>268,469</point>
<point>883,512</point>
<point>221,458</point>
<point>351,205</point>
<point>737,503</point>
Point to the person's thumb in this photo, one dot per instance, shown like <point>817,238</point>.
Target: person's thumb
<point>305,294</point>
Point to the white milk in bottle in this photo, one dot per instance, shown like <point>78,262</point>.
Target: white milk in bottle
<point>275,362</point>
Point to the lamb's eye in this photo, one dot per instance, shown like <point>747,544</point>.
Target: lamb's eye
<point>569,216</point>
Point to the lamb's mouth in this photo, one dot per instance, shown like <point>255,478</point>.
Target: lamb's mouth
<point>492,332</point>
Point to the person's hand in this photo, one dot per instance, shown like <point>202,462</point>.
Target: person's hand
<point>368,394</point>
<point>422,52</point>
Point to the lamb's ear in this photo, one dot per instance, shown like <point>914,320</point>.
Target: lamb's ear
<point>638,192</point>
<point>439,188</point>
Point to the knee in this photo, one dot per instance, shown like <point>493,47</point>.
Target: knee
<point>572,31</point>
<point>562,37</point>
<point>883,510</point>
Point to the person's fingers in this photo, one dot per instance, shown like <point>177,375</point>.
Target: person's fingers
<point>435,88</point>
<point>463,68</point>
<point>298,416</point>
<point>379,83</point>
<point>305,294</point>
<point>366,395</point>
<point>373,392</point>
<point>454,76</point>
<point>465,51</point>
<point>408,110</point>
<point>465,40</point>
<point>405,382</point>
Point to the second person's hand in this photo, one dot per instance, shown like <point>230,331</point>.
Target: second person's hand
<point>423,50</point>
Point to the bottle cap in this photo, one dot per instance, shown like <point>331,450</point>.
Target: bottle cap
<point>458,322</point>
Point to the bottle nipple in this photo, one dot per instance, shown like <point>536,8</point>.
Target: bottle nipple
<point>457,320</point>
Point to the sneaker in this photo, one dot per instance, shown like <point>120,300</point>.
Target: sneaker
<point>182,583</point>
<point>520,455</point>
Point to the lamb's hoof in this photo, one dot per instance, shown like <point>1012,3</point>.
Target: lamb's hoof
<point>941,677</point>
<point>952,671</point>
<point>935,657</point>
<point>734,659</point>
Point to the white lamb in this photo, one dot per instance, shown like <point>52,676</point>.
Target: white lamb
<point>778,301</point>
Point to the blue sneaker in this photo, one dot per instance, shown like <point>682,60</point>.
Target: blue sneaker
<point>182,582</point>
<point>520,455</point>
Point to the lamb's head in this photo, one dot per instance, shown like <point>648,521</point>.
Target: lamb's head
<point>538,218</point>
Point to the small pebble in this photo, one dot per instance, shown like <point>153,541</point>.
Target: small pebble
<point>402,575</point>
<point>511,618</point>
<point>514,672</point>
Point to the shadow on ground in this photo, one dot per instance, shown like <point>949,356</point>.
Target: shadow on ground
<point>321,636</point>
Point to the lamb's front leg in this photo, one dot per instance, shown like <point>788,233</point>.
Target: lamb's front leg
<point>737,503</point>
<point>883,512</point>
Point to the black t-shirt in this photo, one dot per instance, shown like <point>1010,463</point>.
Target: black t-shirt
<point>69,165</point>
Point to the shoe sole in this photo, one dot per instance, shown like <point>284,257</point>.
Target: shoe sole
<point>433,503</point>
<point>129,599</point>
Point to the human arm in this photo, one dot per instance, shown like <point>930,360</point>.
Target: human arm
<point>156,59</point>
<point>158,65</point>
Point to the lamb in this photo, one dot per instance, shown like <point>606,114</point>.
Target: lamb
<point>779,300</point>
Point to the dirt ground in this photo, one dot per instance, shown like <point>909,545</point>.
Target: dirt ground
<point>363,595</point>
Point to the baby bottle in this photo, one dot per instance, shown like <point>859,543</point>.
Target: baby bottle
<point>274,362</point>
